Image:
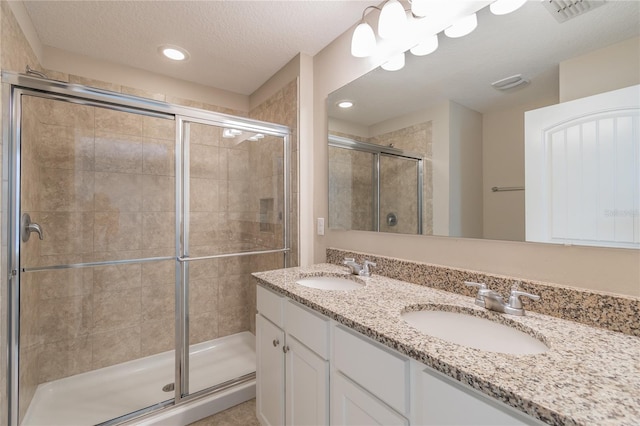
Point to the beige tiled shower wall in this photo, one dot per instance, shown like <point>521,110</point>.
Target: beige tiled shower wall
<point>353,200</point>
<point>281,108</point>
<point>351,184</point>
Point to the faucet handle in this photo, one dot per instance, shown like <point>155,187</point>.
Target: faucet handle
<point>481,286</point>
<point>366,272</point>
<point>482,290</point>
<point>514,299</point>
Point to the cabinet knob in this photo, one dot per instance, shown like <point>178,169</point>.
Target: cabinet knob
<point>285,349</point>
<point>276,342</point>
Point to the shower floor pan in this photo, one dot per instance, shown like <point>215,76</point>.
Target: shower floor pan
<point>100,395</point>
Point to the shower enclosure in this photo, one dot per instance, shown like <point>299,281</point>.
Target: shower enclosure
<point>374,187</point>
<point>132,229</point>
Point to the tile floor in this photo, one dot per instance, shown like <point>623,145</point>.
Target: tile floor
<point>241,415</point>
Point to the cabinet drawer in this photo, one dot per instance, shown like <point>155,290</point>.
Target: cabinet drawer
<point>270,305</point>
<point>309,328</point>
<point>377,369</point>
<point>351,405</point>
<point>439,398</point>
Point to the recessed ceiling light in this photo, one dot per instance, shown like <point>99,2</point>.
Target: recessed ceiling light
<point>345,104</point>
<point>174,53</point>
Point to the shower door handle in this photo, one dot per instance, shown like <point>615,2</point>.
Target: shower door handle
<point>27,227</point>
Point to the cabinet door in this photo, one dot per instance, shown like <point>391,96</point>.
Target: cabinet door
<point>307,386</point>
<point>439,400</point>
<point>269,373</point>
<point>353,406</point>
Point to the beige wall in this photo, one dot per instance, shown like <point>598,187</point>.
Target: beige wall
<point>617,271</point>
<point>465,172</point>
<point>612,67</point>
<point>503,165</point>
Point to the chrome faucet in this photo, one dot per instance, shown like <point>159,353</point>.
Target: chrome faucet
<point>480,295</point>
<point>356,269</point>
<point>493,301</point>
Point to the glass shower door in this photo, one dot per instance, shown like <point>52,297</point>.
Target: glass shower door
<point>400,195</point>
<point>231,222</point>
<point>97,272</point>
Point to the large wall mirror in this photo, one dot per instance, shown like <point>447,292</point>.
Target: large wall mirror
<point>470,136</point>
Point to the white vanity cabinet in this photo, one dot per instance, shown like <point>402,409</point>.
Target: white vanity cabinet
<point>369,382</point>
<point>292,347</point>
<point>314,371</point>
<point>439,400</point>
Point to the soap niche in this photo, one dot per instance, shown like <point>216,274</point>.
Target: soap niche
<point>266,215</point>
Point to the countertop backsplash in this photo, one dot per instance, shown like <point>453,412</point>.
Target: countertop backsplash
<point>609,311</point>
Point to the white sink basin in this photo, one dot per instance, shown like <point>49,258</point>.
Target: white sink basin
<point>474,332</point>
<point>331,283</point>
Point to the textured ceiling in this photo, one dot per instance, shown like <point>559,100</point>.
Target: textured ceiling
<point>529,41</point>
<point>234,45</point>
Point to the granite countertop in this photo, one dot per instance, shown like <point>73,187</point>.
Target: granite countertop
<point>589,376</point>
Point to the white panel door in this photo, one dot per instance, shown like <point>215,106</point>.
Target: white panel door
<point>270,388</point>
<point>307,391</point>
<point>582,171</point>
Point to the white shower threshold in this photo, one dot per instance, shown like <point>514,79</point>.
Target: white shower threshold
<point>101,395</point>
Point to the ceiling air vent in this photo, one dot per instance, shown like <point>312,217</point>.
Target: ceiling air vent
<point>563,10</point>
<point>510,82</point>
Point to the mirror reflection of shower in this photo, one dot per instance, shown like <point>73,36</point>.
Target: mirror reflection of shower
<point>375,187</point>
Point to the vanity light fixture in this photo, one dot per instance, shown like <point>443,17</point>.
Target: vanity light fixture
<point>363,42</point>
<point>420,8</point>
<point>502,7</point>
<point>462,27</point>
<point>392,22</point>
<point>175,53</point>
<point>395,63</point>
<point>344,104</point>
<point>426,46</point>
<point>396,27</point>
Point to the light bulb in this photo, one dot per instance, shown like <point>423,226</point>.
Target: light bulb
<point>393,20</point>
<point>502,7</point>
<point>395,63</point>
<point>420,8</point>
<point>345,104</point>
<point>175,53</point>
<point>462,27</point>
<point>363,42</point>
<point>426,46</point>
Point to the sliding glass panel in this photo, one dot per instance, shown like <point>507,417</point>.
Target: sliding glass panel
<point>233,204</point>
<point>399,202</point>
<point>352,189</point>
<point>99,186</point>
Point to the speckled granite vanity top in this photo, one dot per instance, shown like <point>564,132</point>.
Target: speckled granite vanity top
<point>589,376</point>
